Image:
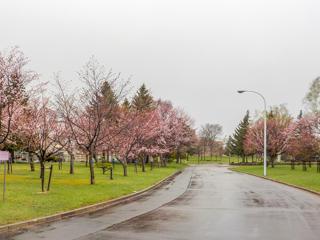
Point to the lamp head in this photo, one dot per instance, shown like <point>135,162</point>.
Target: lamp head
<point>241,91</point>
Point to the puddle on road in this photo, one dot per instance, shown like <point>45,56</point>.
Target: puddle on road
<point>184,199</point>
<point>149,222</point>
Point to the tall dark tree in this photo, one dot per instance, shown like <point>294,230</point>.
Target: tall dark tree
<point>126,104</point>
<point>229,146</point>
<point>107,94</point>
<point>143,99</point>
<point>239,137</point>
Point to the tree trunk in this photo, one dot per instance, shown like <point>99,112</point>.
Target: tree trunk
<point>292,165</point>
<point>204,153</point>
<point>108,156</point>
<point>87,160</point>
<point>304,166</point>
<point>30,158</point>
<point>151,165</point>
<point>42,172</point>
<point>111,173</point>
<point>272,161</point>
<point>103,156</point>
<point>95,157</point>
<point>91,165</point>
<point>72,163</point>
<point>125,169</point>
<point>60,164</point>
<point>143,166</point>
<point>178,156</point>
<point>135,166</point>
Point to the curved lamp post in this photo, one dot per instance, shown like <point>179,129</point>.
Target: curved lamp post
<point>265,129</point>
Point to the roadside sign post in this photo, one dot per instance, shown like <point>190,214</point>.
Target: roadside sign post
<point>4,157</point>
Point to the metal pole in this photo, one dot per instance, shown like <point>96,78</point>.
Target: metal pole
<point>264,131</point>
<point>265,140</point>
<point>50,175</point>
<point>4,180</point>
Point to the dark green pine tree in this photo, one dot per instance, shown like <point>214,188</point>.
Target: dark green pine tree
<point>107,94</point>
<point>142,100</point>
<point>229,147</point>
<point>300,114</point>
<point>238,138</point>
<point>126,104</point>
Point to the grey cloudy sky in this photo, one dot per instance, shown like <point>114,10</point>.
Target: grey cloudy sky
<point>195,53</point>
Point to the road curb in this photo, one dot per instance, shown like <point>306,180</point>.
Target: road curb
<point>277,181</point>
<point>25,225</point>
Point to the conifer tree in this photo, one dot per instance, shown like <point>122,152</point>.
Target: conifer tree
<point>126,104</point>
<point>239,137</point>
<point>143,99</point>
<point>229,146</point>
<point>107,94</point>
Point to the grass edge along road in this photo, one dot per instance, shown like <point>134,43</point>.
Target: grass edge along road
<point>211,160</point>
<point>309,179</point>
<point>25,201</point>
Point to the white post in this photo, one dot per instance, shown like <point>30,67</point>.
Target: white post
<point>264,131</point>
<point>265,140</point>
<point>4,180</point>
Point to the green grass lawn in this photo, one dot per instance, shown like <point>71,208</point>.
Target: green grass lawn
<point>309,179</point>
<point>208,160</point>
<point>24,199</point>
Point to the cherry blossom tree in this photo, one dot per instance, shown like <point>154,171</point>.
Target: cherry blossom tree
<point>14,78</point>
<point>137,134</point>
<point>42,131</point>
<point>86,111</point>
<point>176,130</point>
<point>182,132</point>
<point>277,141</point>
<point>303,142</point>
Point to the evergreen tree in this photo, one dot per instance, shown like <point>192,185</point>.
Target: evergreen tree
<point>107,94</point>
<point>126,104</point>
<point>239,135</point>
<point>229,147</point>
<point>143,99</point>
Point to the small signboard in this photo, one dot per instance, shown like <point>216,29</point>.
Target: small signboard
<point>4,156</point>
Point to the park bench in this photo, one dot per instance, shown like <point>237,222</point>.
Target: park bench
<point>105,166</point>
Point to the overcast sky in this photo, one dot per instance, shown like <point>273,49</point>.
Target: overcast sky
<point>194,53</point>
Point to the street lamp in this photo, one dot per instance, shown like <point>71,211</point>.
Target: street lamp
<point>265,129</point>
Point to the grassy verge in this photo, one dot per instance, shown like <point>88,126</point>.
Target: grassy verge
<point>309,179</point>
<point>24,199</point>
<point>213,160</point>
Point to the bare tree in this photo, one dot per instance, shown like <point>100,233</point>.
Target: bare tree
<point>86,112</point>
<point>312,98</point>
<point>209,134</point>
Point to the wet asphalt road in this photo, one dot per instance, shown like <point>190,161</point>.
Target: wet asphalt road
<point>205,202</point>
